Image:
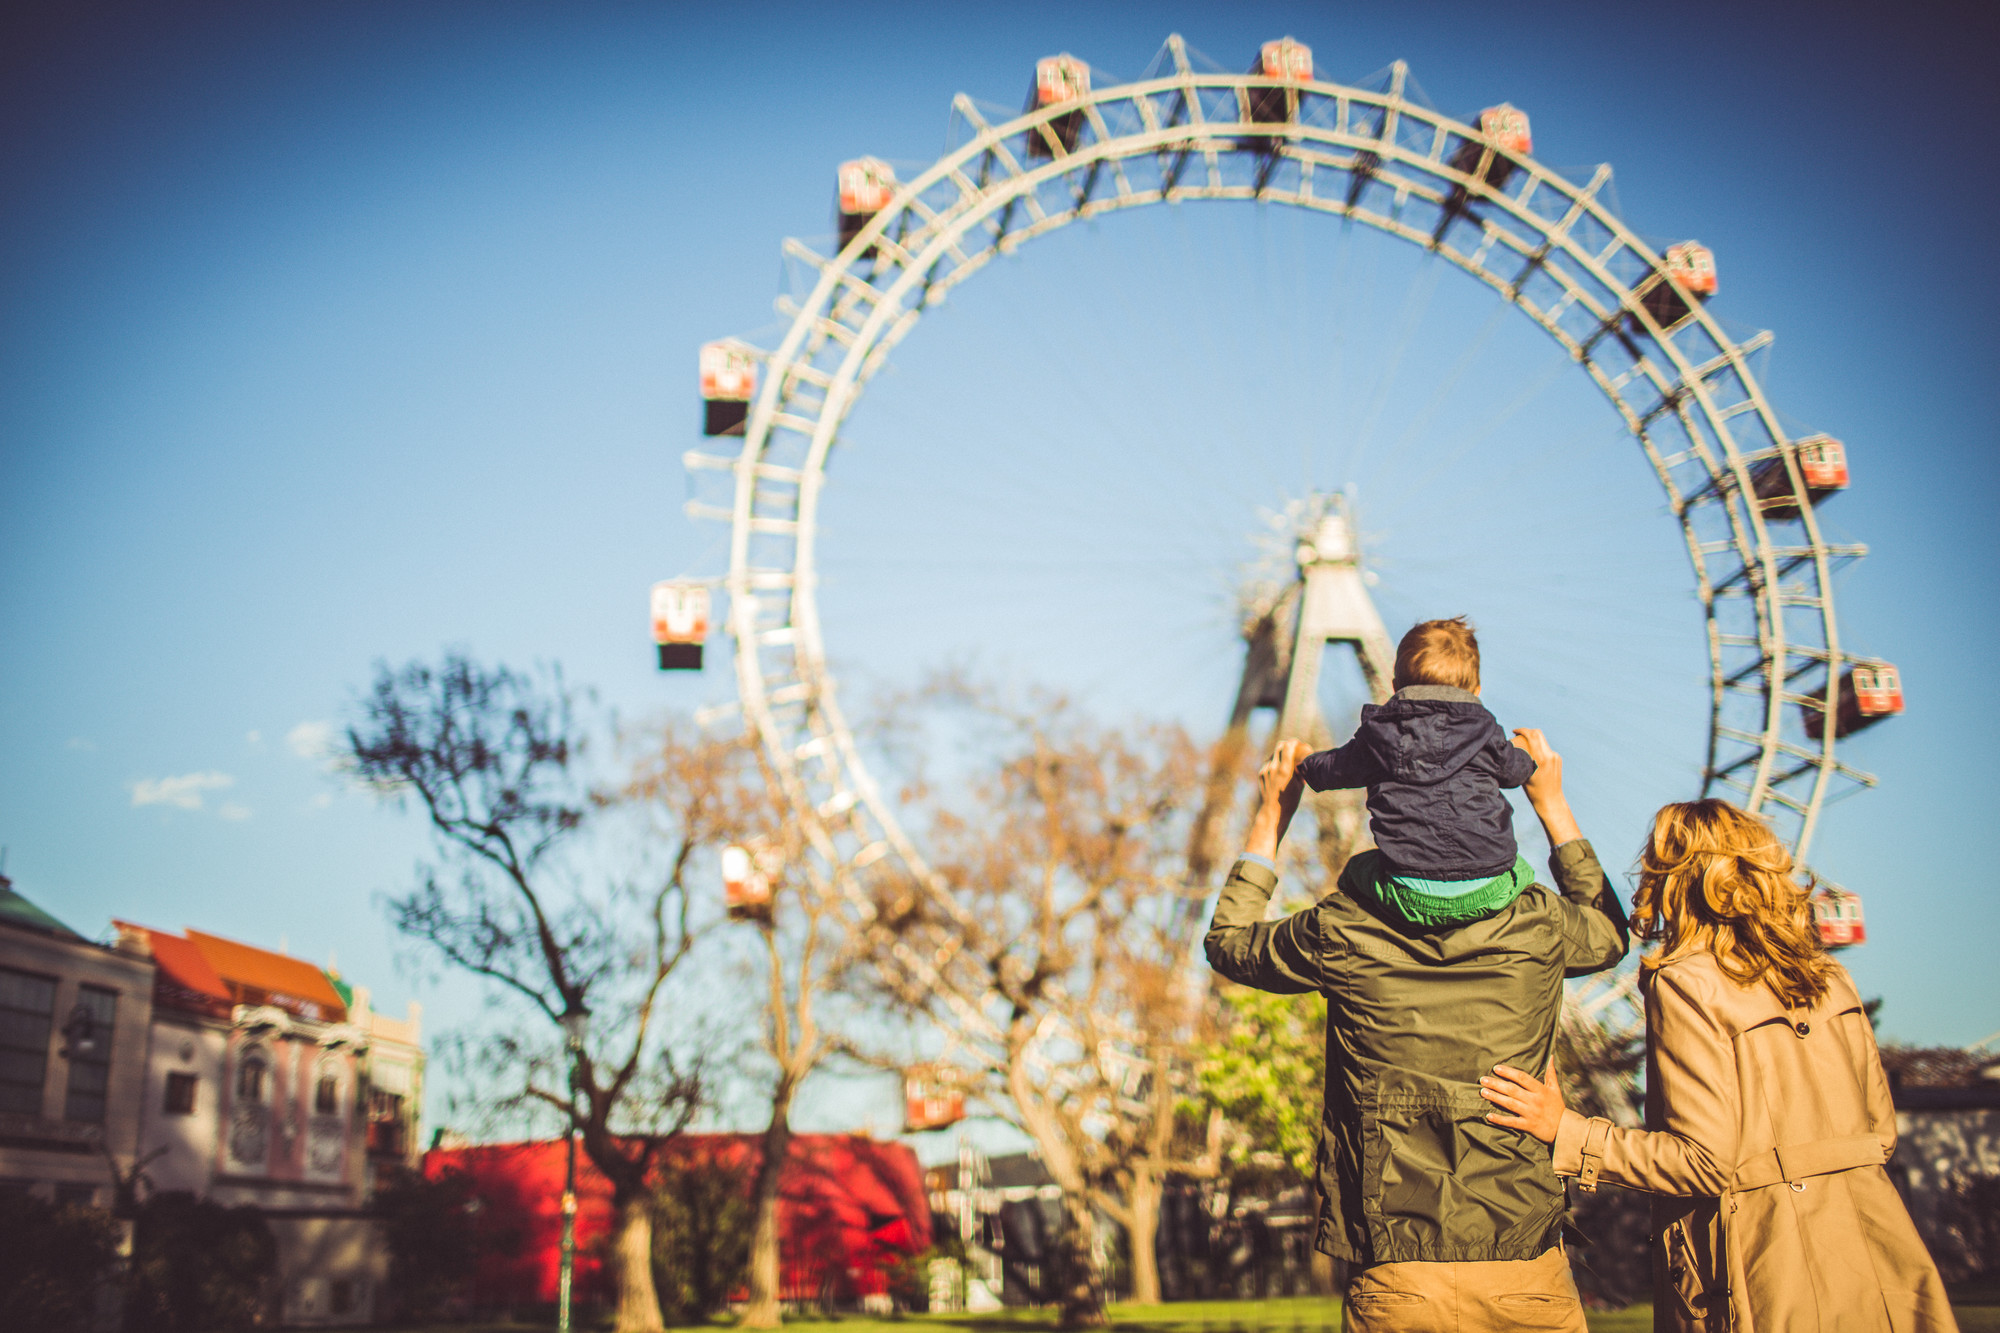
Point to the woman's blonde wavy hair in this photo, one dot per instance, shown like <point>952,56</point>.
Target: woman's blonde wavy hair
<point>1713,878</point>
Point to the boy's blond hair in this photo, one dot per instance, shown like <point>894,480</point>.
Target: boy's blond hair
<point>1439,652</point>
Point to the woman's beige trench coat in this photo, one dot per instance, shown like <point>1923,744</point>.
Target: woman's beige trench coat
<point>1766,1134</point>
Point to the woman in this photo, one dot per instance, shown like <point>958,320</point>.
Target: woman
<point>1767,1114</point>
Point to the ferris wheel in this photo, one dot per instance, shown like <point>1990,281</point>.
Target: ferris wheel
<point>1783,692</point>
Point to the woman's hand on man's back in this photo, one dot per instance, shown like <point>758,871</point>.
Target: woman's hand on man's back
<point>1526,1103</point>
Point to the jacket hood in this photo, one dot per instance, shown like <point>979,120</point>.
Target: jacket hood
<point>1425,733</point>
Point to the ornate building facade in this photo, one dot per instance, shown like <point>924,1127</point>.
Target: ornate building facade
<point>193,1062</point>
<point>272,1083</point>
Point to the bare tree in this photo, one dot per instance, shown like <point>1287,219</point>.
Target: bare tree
<point>1048,938</point>
<point>493,758</point>
<point>802,933</point>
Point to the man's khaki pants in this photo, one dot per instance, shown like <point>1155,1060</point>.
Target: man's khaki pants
<point>1465,1298</point>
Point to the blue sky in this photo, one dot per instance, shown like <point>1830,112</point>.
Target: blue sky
<point>337,333</point>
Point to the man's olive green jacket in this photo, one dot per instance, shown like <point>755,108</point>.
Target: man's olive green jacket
<point>1408,1166</point>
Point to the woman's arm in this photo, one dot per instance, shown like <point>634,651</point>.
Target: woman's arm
<point>1693,1153</point>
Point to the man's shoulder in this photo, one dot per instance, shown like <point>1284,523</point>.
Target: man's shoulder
<point>1539,907</point>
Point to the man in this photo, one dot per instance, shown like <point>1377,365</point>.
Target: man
<point>1451,1222</point>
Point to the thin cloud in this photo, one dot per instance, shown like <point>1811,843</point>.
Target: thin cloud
<point>80,743</point>
<point>311,740</point>
<point>183,792</point>
<point>232,810</point>
<point>254,738</point>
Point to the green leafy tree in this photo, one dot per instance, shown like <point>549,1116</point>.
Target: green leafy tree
<point>1265,1070</point>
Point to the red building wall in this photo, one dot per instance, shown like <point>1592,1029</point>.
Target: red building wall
<point>849,1209</point>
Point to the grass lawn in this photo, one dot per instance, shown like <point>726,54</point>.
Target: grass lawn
<point>1981,1314</point>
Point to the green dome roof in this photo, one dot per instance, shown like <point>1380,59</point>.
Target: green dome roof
<point>18,911</point>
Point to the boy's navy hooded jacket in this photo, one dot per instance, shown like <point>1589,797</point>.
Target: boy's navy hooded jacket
<point>1434,761</point>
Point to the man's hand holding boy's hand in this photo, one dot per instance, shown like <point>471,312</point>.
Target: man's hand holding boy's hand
<point>1545,787</point>
<point>1548,764</point>
<point>1279,777</point>
<point>1279,786</point>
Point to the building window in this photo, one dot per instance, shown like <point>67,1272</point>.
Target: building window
<point>27,1013</point>
<point>386,1133</point>
<point>326,1098</point>
<point>180,1094</point>
<point>249,1117</point>
<point>250,1080</point>
<point>88,1033</point>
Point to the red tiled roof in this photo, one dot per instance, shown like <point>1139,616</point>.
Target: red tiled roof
<point>182,978</point>
<point>179,959</point>
<point>258,976</point>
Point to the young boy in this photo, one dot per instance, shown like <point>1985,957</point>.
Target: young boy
<point>1434,762</point>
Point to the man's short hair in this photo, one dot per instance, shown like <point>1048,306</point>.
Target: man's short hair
<point>1439,652</point>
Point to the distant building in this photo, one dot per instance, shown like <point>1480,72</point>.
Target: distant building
<point>271,1083</point>
<point>1947,1149</point>
<point>1008,1211</point>
<point>73,1032</point>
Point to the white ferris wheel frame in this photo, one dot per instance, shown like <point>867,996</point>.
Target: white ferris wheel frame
<point>1551,248</point>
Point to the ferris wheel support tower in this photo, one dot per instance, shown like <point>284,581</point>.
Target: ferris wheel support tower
<point>1334,607</point>
<point>1285,644</point>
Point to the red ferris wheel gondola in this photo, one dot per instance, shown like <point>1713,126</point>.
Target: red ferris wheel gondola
<point>1058,80</point>
<point>746,884</point>
<point>1837,913</point>
<point>1286,60</point>
<point>1685,278</point>
<point>1503,136</point>
<point>1869,692</point>
<point>728,383</point>
<point>1822,462</point>
<point>866,186</point>
<point>933,1097</point>
<point>680,623</point>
